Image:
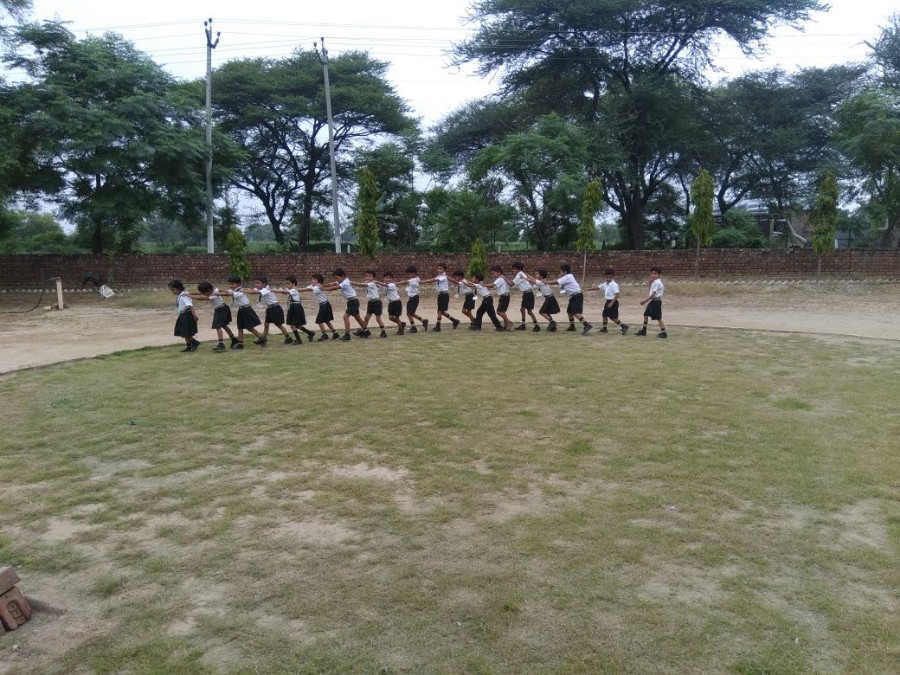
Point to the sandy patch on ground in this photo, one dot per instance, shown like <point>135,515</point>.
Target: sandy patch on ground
<point>91,327</point>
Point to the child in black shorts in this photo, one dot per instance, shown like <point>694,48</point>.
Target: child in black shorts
<point>610,290</point>
<point>247,319</point>
<point>654,303</point>
<point>467,293</point>
<point>324,315</point>
<point>221,313</point>
<point>395,304</point>
<point>186,323</point>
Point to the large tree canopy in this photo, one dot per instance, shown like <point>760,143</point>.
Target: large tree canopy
<point>620,65</point>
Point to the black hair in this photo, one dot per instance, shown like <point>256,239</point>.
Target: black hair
<point>609,271</point>
<point>459,273</point>
<point>176,284</point>
<point>412,269</point>
<point>478,276</point>
<point>262,278</point>
<point>443,266</point>
<point>292,278</point>
<point>205,287</point>
<point>388,273</point>
<point>496,268</point>
<point>319,277</point>
<point>372,272</point>
<point>338,272</point>
<point>234,278</point>
<point>542,273</point>
<point>565,267</point>
<point>657,269</point>
<point>517,265</point>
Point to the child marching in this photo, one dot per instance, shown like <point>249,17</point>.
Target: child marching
<point>523,283</point>
<point>610,290</point>
<point>186,323</point>
<point>247,319</point>
<point>654,303</point>
<point>221,313</point>
<point>325,314</point>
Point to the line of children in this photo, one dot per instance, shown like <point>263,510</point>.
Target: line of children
<point>247,318</point>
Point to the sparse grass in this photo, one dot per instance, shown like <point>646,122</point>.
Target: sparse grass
<point>717,502</point>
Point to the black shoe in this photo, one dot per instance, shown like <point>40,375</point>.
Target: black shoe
<point>424,324</point>
<point>366,333</point>
<point>413,329</point>
<point>536,329</point>
<point>624,328</point>
<point>402,329</point>
<point>551,326</point>
<point>604,330</point>
<point>383,334</point>
<point>521,326</point>
<point>297,341</point>
<point>310,334</point>
<point>335,336</point>
<point>455,323</point>
<point>358,332</point>
<point>234,341</point>
<point>345,337</point>
<point>437,328</point>
<point>662,334</point>
<point>586,328</point>
<point>189,348</point>
<point>642,331</point>
<point>262,342</point>
<point>323,337</point>
<point>288,340</point>
<point>219,348</point>
<point>237,345</point>
<point>571,328</point>
<point>500,329</point>
<point>474,327</point>
<point>195,344</point>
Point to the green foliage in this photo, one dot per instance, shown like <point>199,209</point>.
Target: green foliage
<point>34,232</point>
<point>454,218</point>
<point>237,253</point>
<point>886,53</point>
<point>590,204</point>
<point>366,220</point>
<point>825,216</point>
<point>702,222</point>
<point>477,259</point>
<point>738,231</point>
<point>398,203</point>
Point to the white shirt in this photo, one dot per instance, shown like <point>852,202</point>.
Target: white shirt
<point>371,290</point>
<point>347,290</point>
<point>463,288</point>
<point>184,302</point>
<point>657,287</point>
<point>239,298</point>
<point>610,290</point>
<point>482,291</point>
<point>568,285</point>
<point>318,293</point>
<point>543,288</point>
<point>215,299</point>
<point>443,286</point>
<point>293,295</point>
<point>412,287</point>
<point>521,282</point>
<point>391,293</point>
<point>500,286</point>
<point>267,296</point>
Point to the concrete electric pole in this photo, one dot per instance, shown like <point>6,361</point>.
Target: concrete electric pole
<point>210,45</point>
<point>323,59</point>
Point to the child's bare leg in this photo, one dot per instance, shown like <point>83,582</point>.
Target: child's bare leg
<point>228,330</point>
<point>219,334</point>
<point>347,322</point>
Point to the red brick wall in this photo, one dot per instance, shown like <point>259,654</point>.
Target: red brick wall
<point>26,271</point>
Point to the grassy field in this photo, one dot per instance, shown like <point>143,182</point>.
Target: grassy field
<point>716,502</point>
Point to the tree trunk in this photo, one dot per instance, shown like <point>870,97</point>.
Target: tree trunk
<point>634,222</point>
<point>303,228</point>
<point>583,266</point>
<point>97,238</point>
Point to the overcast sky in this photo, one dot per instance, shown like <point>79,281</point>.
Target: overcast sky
<point>413,35</point>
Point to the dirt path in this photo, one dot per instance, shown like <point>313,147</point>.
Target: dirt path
<point>91,328</point>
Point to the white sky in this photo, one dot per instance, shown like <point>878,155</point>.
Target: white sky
<point>413,35</point>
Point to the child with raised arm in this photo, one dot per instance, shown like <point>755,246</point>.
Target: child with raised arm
<point>571,288</point>
<point>654,303</point>
<point>467,293</point>
<point>221,313</point>
<point>443,297</point>
<point>487,303</point>
<point>274,310</point>
<point>501,286</point>
<point>523,282</point>
<point>610,290</point>
<point>395,304</point>
<point>186,323</point>
<point>412,299</point>
<point>247,319</point>
<point>345,286</point>
<point>374,306</point>
<point>324,315</point>
<point>296,315</point>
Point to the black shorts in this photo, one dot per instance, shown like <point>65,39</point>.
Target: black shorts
<point>221,316</point>
<point>374,307</point>
<point>186,325</point>
<point>528,300</point>
<point>275,314</point>
<point>503,303</point>
<point>412,304</point>
<point>353,306</point>
<point>549,306</point>
<point>395,308</point>
<point>469,302</point>
<point>654,309</point>
<point>247,318</point>
<point>576,304</point>
<point>296,315</point>
<point>324,314</point>
<point>443,301</point>
<point>611,312</point>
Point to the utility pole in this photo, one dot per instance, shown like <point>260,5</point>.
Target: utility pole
<point>210,45</point>
<point>323,59</point>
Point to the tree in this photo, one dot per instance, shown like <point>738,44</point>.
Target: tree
<point>399,203</point>
<point>237,253</point>
<point>886,53</point>
<point>702,222</point>
<point>623,68</point>
<point>455,217</point>
<point>275,111</point>
<point>366,220</point>
<point>868,134</point>
<point>587,231</point>
<point>118,141</point>
<point>477,260</point>
<point>824,220</point>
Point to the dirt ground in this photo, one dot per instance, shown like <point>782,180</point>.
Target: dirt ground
<point>90,326</point>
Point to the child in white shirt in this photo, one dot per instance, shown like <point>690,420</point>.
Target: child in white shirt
<point>610,290</point>
<point>654,303</point>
